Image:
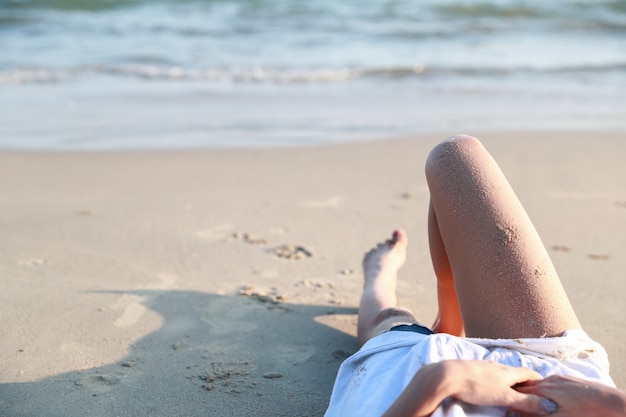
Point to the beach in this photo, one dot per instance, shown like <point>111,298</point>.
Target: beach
<point>226,282</point>
<point>188,188</point>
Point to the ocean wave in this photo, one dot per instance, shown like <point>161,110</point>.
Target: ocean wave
<point>36,76</point>
<point>261,75</point>
<point>252,75</point>
<point>68,5</point>
<point>176,73</point>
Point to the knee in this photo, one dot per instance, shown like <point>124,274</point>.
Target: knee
<point>447,155</point>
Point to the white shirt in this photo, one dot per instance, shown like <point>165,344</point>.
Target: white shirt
<point>369,381</point>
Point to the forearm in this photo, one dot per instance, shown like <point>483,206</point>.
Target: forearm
<point>577,397</point>
<point>482,383</point>
<point>428,388</point>
<point>613,402</point>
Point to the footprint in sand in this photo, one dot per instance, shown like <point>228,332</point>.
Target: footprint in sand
<point>249,238</point>
<point>215,233</point>
<point>98,383</point>
<point>315,285</point>
<point>294,354</point>
<point>330,203</point>
<point>266,273</point>
<point>166,281</point>
<point>212,314</point>
<point>271,296</point>
<point>561,248</point>
<point>279,230</point>
<point>133,311</point>
<point>131,315</point>
<point>292,252</point>
<point>229,376</point>
<point>32,262</point>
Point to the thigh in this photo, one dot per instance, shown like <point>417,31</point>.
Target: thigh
<point>506,284</point>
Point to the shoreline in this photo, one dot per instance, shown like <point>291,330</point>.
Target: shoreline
<point>430,136</point>
<point>163,267</point>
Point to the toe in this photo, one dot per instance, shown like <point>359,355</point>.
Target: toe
<point>399,237</point>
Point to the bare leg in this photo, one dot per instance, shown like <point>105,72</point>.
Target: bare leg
<point>504,279</point>
<point>378,310</point>
<point>449,319</point>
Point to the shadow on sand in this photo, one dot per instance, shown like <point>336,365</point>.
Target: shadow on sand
<point>213,356</point>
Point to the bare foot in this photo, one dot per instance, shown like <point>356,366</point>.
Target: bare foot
<point>380,268</point>
<point>381,264</point>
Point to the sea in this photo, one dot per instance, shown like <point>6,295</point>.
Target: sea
<point>172,74</point>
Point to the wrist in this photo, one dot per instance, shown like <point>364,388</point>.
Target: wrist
<point>449,378</point>
<point>428,388</point>
<point>434,383</point>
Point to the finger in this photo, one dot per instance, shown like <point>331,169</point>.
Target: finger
<point>523,375</point>
<point>533,405</point>
<point>542,387</point>
<point>530,387</point>
<point>529,384</point>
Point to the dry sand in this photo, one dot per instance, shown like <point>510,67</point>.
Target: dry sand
<point>225,283</point>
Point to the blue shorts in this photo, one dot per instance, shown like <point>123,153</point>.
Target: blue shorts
<point>416,328</point>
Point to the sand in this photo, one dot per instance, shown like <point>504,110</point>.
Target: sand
<point>225,282</point>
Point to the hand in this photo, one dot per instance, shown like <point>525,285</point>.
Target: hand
<point>486,383</point>
<point>482,383</point>
<point>577,397</point>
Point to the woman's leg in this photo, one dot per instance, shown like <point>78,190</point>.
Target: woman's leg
<point>481,236</point>
<point>378,310</point>
<point>449,319</point>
